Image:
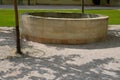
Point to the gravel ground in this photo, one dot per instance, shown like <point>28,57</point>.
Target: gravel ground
<point>94,61</point>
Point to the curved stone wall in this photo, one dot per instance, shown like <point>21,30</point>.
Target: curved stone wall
<point>64,28</point>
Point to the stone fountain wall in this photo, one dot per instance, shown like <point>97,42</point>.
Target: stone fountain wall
<point>64,30</point>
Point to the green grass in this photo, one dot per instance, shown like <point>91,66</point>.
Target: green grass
<point>7,16</point>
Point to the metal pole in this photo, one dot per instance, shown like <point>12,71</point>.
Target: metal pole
<point>82,6</point>
<point>18,47</point>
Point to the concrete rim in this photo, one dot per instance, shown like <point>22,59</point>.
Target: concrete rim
<point>53,18</point>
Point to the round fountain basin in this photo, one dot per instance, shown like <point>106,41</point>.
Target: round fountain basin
<point>63,28</point>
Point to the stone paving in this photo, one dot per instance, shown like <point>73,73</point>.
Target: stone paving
<point>94,61</point>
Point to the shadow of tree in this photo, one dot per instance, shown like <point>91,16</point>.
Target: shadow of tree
<point>58,68</point>
<point>7,37</point>
<point>113,40</point>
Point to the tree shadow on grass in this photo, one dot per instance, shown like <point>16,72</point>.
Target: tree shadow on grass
<point>113,40</point>
<point>58,68</point>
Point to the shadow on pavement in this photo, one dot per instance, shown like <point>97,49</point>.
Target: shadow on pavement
<point>58,68</point>
<point>7,37</point>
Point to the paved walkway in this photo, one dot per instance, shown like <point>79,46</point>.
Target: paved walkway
<point>57,7</point>
<point>95,61</point>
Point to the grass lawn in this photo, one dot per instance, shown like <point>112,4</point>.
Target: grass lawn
<point>7,16</point>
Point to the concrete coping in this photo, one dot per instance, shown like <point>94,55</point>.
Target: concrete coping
<point>65,16</point>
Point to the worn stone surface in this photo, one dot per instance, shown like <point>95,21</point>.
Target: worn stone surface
<point>95,61</point>
<point>48,28</point>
